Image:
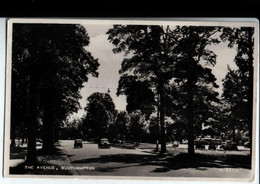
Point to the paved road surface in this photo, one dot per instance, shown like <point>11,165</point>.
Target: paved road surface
<point>136,162</point>
<point>113,161</point>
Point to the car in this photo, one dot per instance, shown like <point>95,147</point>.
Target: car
<point>212,146</point>
<point>119,141</point>
<point>200,145</point>
<point>104,143</point>
<point>247,144</point>
<point>78,143</point>
<point>229,145</point>
<point>175,144</point>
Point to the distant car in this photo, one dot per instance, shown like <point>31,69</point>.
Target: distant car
<point>78,143</point>
<point>103,143</point>
<point>228,145</point>
<point>247,144</point>
<point>119,141</point>
<point>199,145</point>
<point>185,141</point>
<point>212,146</point>
<point>175,144</point>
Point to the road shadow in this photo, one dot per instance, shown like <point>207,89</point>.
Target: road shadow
<point>168,162</point>
<point>122,158</point>
<point>124,146</point>
<point>200,162</point>
<point>55,151</point>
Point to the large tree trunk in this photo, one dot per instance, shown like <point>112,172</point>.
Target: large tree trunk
<point>32,152</point>
<point>13,135</point>
<point>48,138</point>
<point>191,81</point>
<point>162,123</point>
<point>190,107</point>
<point>56,135</point>
<point>158,126</point>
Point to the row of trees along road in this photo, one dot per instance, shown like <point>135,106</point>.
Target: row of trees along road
<point>238,84</point>
<point>166,75</point>
<point>103,120</point>
<point>49,66</point>
<point>171,64</point>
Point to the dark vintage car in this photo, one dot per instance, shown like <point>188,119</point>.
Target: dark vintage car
<point>247,144</point>
<point>199,145</point>
<point>212,146</point>
<point>229,145</point>
<point>78,143</point>
<point>175,144</point>
<point>104,143</point>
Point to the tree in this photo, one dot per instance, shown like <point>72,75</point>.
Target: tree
<point>137,125</point>
<point>72,129</point>
<point>154,129</point>
<point>235,94</point>
<point>193,80</point>
<point>51,58</point>
<point>150,61</point>
<point>19,108</point>
<point>100,111</point>
<point>138,95</point>
<point>238,84</point>
<point>170,59</point>
<point>118,130</point>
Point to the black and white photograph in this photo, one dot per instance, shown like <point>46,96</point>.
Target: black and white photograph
<point>173,100</point>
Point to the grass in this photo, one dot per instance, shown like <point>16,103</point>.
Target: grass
<point>40,168</point>
<point>50,164</point>
<point>239,158</point>
<point>174,158</point>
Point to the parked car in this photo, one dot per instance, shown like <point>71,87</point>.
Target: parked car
<point>119,141</point>
<point>104,143</point>
<point>199,145</point>
<point>229,145</point>
<point>78,143</point>
<point>247,144</point>
<point>184,141</point>
<point>175,144</point>
<point>212,146</point>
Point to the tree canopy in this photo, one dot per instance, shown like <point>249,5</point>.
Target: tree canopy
<point>52,63</point>
<point>170,59</point>
<point>100,113</point>
<point>238,83</point>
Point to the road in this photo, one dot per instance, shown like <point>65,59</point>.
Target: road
<point>113,161</point>
<point>90,160</point>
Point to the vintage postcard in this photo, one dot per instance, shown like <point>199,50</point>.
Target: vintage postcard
<point>131,99</point>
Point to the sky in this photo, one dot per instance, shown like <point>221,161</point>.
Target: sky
<point>110,65</point>
<point>108,70</point>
